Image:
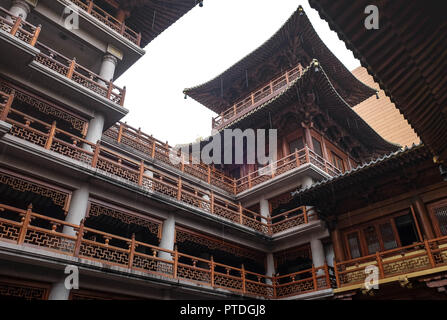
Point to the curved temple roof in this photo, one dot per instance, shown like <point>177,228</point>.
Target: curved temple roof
<point>152,17</point>
<point>295,40</point>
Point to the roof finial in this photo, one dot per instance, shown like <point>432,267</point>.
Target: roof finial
<point>301,10</point>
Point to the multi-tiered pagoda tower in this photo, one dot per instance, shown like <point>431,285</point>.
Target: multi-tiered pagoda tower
<point>80,190</point>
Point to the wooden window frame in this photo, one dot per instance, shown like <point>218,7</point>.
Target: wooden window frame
<point>431,209</point>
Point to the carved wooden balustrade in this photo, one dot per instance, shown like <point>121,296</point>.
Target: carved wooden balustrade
<point>257,97</point>
<point>26,227</point>
<point>147,144</point>
<point>291,218</point>
<point>5,104</point>
<point>18,28</point>
<point>73,71</point>
<point>90,7</point>
<point>416,257</point>
<point>289,162</point>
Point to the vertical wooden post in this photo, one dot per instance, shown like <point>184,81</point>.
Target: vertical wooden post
<point>297,158</point>
<point>421,211</point>
<point>212,271</point>
<point>175,263</point>
<point>153,149</point>
<point>380,265</point>
<point>249,180</point>
<point>252,99</point>
<point>243,279</point>
<point>337,277</point>
<point>287,77</point>
<point>139,39</point>
<point>50,136</point>
<point>234,109</point>
<point>7,108</point>
<point>234,186</point>
<point>120,133</point>
<point>307,154</point>
<point>209,174</point>
<point>141,175</point>
<point>240,214</point>
<point>16,26</point>
<point>109,89</point>
<point>26,220</point>
<point>123,28</point>
<point>123,96</point>
<point>131,251</point>
<point>212,202</point>
<point>429,253</point>
<point>96,155</point>
<point>71,68</point>
<point>79,236</point>
<point>179,190</point>
<point>416,222</point>
<point>306,218</point>
<point>36,35</point>
<point>90,6</point>
<point>314,277</point>
<point>338,245</point>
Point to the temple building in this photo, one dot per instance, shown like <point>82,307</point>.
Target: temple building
<point>82,190</point>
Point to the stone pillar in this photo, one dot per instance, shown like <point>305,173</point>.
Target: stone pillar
<point>78,208</point>
<point>108,67</point>
<point>421,212</point>
<point>59,292</point>
<point>95,129</point>
<point>20,8</point>
<point>167,237</point>
<point>264,209</point>
<point>318,256</point>
<point>270,267</point>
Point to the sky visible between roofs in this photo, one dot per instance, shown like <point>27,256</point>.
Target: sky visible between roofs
<point>198,47</point>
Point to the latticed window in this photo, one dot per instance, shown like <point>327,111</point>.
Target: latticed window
<point>317,147</point>
<point>354,245</point>
<point>297,144</point>
<point>441,216</point>
<point>388,237</point>
<point>372,241</point>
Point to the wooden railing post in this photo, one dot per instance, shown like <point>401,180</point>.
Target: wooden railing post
<point>297,158</point>
<point>120,133</point>
<point>314,277</point>
<point>36,35</point>
<point>234,186</point>
<point>306,217</point>
<point>141,175</point>
<point>123,28</point>
<point>139,39</point>
<point>212,271</point>
<point>25,223</point>
<point>123,96</point>
<point>71,69</point>
<point>243,279</point>
<point>131,251</point>
<point>337,276</point>
<point>96,155</point>
<point>79,236</point>
<point>90,6</point>
<point>51,136</point>
<point>7,108</point>
<point>179,190</point>
<point>153,149</point>
<point>234,109</point>
<point>307,154</point>
<point>109,89</point>
<point>429,253</point>
<point>16,26</point>
<point>209,174</point>
<point>249,180</point>
<point>175,264</point>
<point>252,99</point>
<point>287,77</point>
<point>240,214</point>
<point>212,202</point>
<point>380,265</point>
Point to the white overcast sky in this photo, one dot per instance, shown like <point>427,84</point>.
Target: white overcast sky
<point>198,47</point>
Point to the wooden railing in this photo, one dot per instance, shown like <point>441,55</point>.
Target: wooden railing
<point>289,162</point>
<point>257,97</point>
<point>18,28</point>
<point>90,7</point>
<point>86,78</point>
<point>25,227</point>
<point>291,218</point>
<point>156,149</point>
<point>416,257</point>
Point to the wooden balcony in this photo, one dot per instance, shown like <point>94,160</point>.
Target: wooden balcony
<point>257,97</point>
<point>110,21</point>
<point>417,257</point>
<point>77,73</point>
<point>25,227</point>
<point>18,28</point>
<point>288,163</point>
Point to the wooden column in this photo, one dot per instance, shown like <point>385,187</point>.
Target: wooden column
<point>308,136</point>
<point>422,214</point>
<point>338,245</point>
<point>323,146</point>
<point>284,147</point>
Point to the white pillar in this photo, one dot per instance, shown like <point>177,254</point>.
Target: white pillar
<point>108,67</point>
<point>264,209</point>
<point>78,208</point>
<point>270,272</point>
<point>95,129</point>
<point>20,8</point>
<point>318,256</point>
<point>167,237</point>
<point>59,292</point>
